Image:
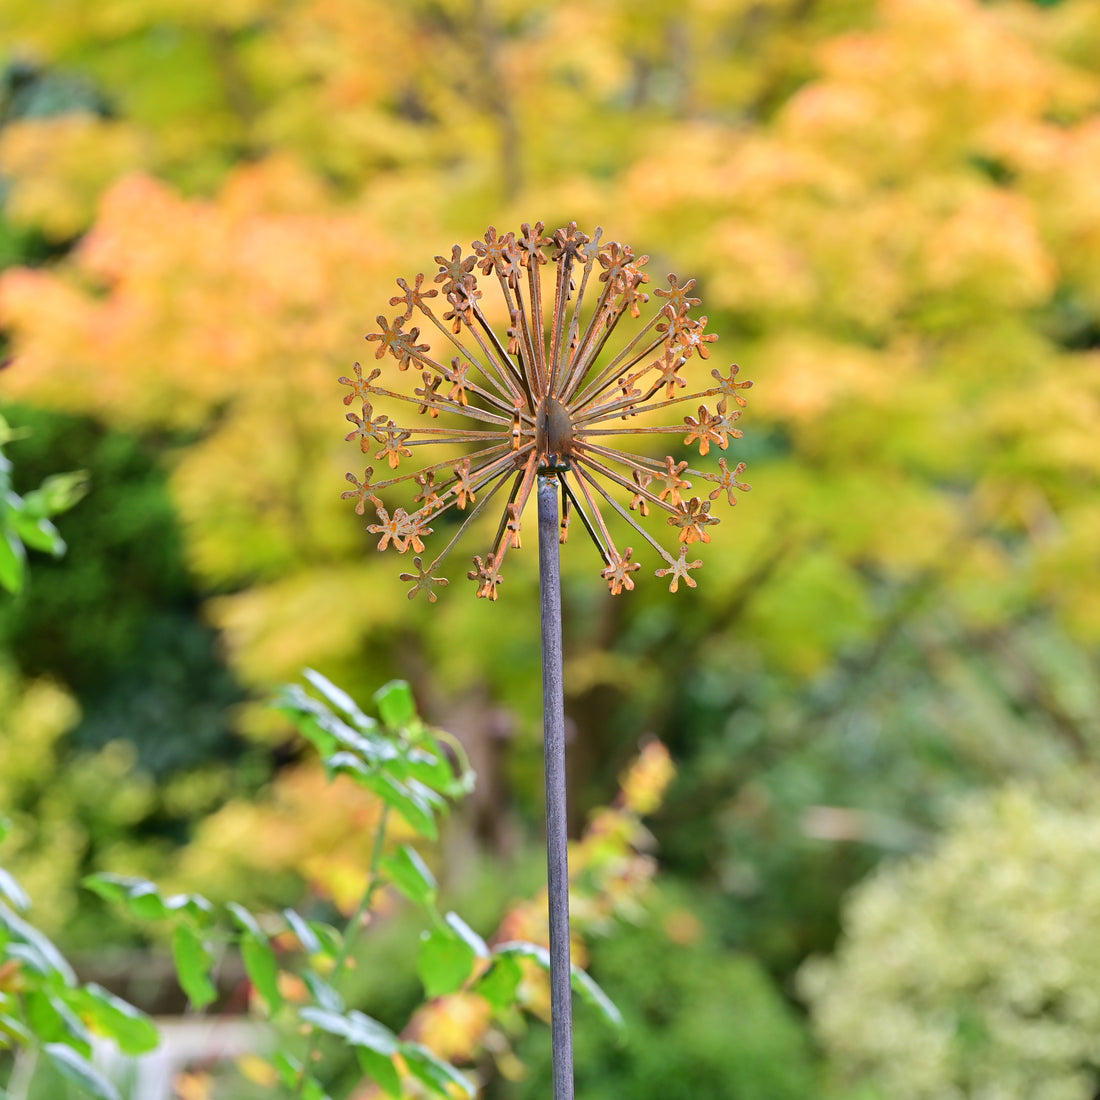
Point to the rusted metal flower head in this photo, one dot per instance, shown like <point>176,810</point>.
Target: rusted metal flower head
<point>546,397</point>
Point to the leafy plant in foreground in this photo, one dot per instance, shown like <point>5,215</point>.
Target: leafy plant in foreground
<point>295,964</point>
<point>45,1010</point>
<point>25,520</point>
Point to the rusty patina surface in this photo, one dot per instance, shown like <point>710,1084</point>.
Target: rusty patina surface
<point>544,396</point>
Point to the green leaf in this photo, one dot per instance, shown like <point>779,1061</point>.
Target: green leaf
<point>430,767</point>
<point>58,493</point>
<point>444,962</point>
<point>290,1073</point>
<point>349,763</point>
<point>29,956</point>
<point>263,969</point>
<point>143,898</point>
<point>523,949</point>
<point>10,889</point>
<point>307,937</point>
<point>581,982</point>
<point>381,1069</point>
<point>425,793</point>
<point>463,777</point>
<point>304,710</point>
<point>41,952</point>
<point>410,874</point>
<point>38,533</point>
<point>134,1032</point>
<point>79,1070</point>
<point>195,906</point>
<point>407,801</point>
<point>109,886</point>
<point>138,895</point>
<point>499,984</point>
<point>372,751</point>
<point>312,1089</point>
<point>331,939</point>
<point>395,704</point>
<point>50,1019</point>
<point>446,771</point>
<point>9,1025</point>
<point>324,994</point>
<point>327,731</point>
<point>340,699</point>
<point>433,1071</point>
<point>244,919</point>
<point>193,963</point>
<point>146,903</point>
<point>12,560</point>
<point>357,1028</point>
<point>468,936</point>
<point>287,1067</point>
<point>584,984</point>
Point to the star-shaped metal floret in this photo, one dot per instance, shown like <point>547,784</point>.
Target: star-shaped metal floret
<point>424,581</point>
<point>678,570</point>
<point>362,491</point>
<point>617,574</point>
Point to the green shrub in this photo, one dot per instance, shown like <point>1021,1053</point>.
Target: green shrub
<point>973,970</point>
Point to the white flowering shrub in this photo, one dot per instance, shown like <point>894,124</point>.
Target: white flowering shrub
<point>972,971</point>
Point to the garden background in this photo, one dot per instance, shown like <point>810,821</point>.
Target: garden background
<point>882,700</point>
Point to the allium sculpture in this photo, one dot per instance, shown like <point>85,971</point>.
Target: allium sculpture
<point>544,403</point>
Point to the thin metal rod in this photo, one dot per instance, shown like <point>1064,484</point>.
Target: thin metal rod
<point>557,853</point>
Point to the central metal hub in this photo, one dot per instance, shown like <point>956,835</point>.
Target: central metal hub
<point>553,433</point>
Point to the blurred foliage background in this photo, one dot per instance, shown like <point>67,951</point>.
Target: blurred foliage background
<point>892,209</point>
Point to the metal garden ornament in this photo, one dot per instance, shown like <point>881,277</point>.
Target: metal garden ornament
<point>511,399</point>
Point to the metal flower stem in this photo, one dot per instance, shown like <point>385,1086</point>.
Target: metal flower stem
<point>557,854</point>
<point>545,401</point>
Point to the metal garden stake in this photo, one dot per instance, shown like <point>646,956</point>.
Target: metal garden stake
<point>518,398</point>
